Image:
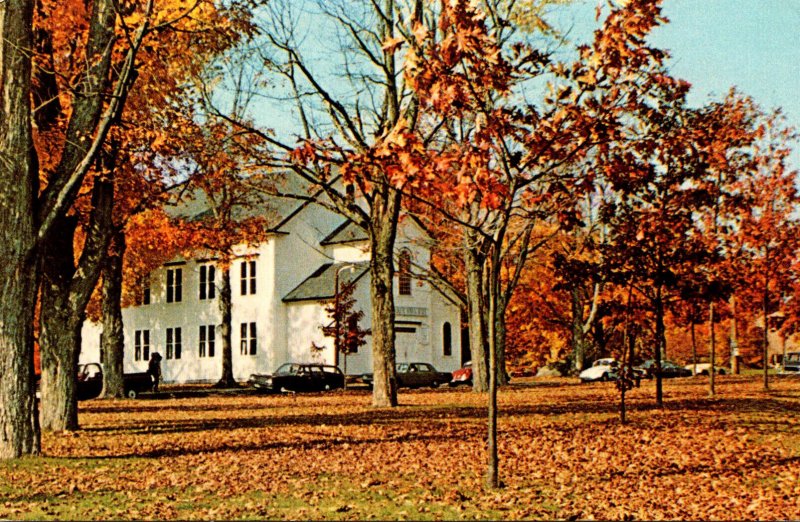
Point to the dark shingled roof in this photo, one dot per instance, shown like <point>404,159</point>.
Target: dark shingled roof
<point>319,285</point>
<point>347,232</point>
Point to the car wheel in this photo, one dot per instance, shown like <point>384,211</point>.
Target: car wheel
<point>435,384</point>
<point>327,387</point>
<point>132,394</point>
<point>722,372</point>
<point>604,377</point>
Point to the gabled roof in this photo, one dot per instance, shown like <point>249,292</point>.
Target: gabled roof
<point>278,198</point>
<point>347,232</point>
<point>319,286</point>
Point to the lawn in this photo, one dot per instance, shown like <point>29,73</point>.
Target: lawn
<point>563,454</point>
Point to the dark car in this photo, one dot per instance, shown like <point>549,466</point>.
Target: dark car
<point>90,382</point>
<point>298,377</point>
<point>669,369</point>
<point>414,375</point>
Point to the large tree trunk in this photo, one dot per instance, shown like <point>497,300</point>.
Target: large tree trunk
<point>382,234</point>
<point>474,263</point>
<point>113,338</point>
<point>66,290</point>
<point>226,327</point>
<point>60,335</point>
<point>19,429</point>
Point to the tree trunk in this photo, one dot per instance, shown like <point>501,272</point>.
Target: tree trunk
<point>382,234</point>
<point>578,338</point>
<point>474,261</point>
<point>734,339</point>
<point>66,290</point>
<point>492,473</point>
<point>694,349</point>
<point>60,336</point>
<point>500,344</point>
<point>113,338</point>
<point>659,309</point>
<point>712,348</point>
<point>226,328</point>
<point>19,429</point>
<point>765,339</point>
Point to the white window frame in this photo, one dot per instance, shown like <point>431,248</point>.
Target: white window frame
<point>141,345</point>
<point>174,343</point>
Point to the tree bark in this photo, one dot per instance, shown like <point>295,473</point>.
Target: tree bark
<point>712,348</point>
<point>659,309</point>
<point>226,380</point>
<point>113,340</point>
<point>382,235</point>
<point>578,338</point>
<point>500,344</point>
<point>492,472</point>
<point>19,429</point>
<point>66,290</point>
<point>694,348</point>
<point>474,260</point>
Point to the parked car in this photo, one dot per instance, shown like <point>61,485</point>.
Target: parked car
<point>702,369</point>
<point>791,364</point>
<point>90,382</point>
<point>601,370</point>
<point>463,375</point>
<point>414,375</point>
<point>669,369</point>
<point>299,377</point>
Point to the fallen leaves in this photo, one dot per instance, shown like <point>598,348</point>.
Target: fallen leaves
<point>331,456</point>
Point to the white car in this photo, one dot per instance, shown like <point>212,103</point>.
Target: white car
<point>702,369</point>
<point>601,370</point>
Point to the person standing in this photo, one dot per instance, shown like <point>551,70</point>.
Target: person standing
<point>154,370</point>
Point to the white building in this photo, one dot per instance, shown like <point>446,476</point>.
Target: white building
<point>279,292</point>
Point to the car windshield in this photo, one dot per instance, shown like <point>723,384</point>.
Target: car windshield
<point>288,369</point>
<point>402,367</point>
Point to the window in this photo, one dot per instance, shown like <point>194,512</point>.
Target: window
<point>404,271</point>
<point>141,345</point>
<point>207,277</point>
<point>207,339</point>
<point>174,344</point>
<point>174,285</point>
<point>143,291</point>
<point>248,335</point>
<point>447,339</point>
<point>248,278</point>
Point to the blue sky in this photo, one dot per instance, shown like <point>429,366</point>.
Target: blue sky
<point>716,44</point>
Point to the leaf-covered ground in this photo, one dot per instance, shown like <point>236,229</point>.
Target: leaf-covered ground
<point>563,454</point>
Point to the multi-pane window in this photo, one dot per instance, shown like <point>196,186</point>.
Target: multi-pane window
<point>174,285</point>
<point>174,343</point>
<point>207,340</point>
<point>404,273</point>
<point>207,277</point>
<point>141,345</point>
<point>248,335</point>
<point>248,279</point>
<point>447,339</point>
